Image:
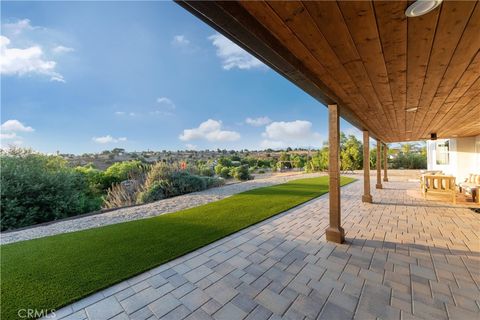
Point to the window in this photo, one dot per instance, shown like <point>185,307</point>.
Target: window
<point>441,150</point>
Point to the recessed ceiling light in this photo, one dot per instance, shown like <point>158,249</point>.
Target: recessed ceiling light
<point>421,7</point>
<point>411,109</point>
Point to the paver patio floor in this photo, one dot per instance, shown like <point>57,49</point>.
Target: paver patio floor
<point>405,258</point>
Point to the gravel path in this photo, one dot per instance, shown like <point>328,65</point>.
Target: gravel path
<point>147,210</point>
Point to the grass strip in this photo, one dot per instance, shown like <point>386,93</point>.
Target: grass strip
<point>51,272</point>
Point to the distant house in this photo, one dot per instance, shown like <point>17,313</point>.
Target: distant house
<point>457,156</point>
<point>393,153</point>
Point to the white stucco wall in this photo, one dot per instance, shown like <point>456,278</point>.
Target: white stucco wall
<point>464,157</point>
<point>477,151</point>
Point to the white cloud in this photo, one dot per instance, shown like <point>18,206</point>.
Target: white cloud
<point>180,40</point>
<point>166,103</point>
<point>258,122</point>
<point>165,107</point>
<point>18,27</point>
<point>123,113</point>
<point>9,131</point>
<point>31,60</point>
<point>210,130</point>
<point>296,133</point>
<point>108,139</point>
<point>297,129</point>
<point>8,136</point>
<point>62,49</point>
<point>233,56</point>
<point>15,125</point>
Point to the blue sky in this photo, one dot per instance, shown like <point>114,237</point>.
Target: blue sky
<point>89,76</point>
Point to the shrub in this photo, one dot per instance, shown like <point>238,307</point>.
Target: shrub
<point>179,183</point>
<point>225,172</point>
<point>94,178</point>
<point>225,162</point>
<point>218,169</point>
<point>184,182</point>
<point>214,182</point>
<point>241,173</point>
<point>236,163</point>
<point>121,195</point>
<point>160,171</point>
<point>37,188</point>
<point>121,171</point>
<point>154,193</point>
<point>410,161</point>
<point>206,171</point>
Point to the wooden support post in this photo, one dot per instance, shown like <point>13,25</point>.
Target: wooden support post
<point>385,163</point>
<point>367,197</point>
<point>334,232</point>
<point>379,165</point>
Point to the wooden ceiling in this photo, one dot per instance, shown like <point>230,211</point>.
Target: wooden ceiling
<point>369,58</point>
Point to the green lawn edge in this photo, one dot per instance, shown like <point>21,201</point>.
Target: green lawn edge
<point>51,272</point>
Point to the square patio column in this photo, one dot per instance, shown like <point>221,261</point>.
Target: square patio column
<point>385,163</point>
<point>334,232</point>
<point>379,165</point>
<point>367,197</point>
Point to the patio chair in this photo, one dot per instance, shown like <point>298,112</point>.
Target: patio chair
<point>438,184</point>
<point>471,186</point>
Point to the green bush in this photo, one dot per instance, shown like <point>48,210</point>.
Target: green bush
<point>154,193</point>
<point>410,161</point>
<point>218,169</point>
<point>213,182</point>
<point>183,182</point>
<point>206,171</point>
<point>225,172</point>
<point>94,177</point>
<point>319,161</point>
<point>225,162</point>
<point>37,188</point>
<point>241,173</point>
<point>121,171</point>
<point>180,182</point>
<point>160,171</point>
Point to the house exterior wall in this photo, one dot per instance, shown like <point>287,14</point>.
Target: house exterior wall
<point>464,156</point>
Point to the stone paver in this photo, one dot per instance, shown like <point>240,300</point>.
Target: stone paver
<point>405,258</point>
<point>164,305</point>
<point>104,309</point>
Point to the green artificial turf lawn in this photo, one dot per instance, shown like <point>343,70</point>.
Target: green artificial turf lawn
<point>51,272</point>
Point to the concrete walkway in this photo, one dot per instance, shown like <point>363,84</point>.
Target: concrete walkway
<point>405,258</point>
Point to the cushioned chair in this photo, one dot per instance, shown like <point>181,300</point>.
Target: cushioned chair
<point>471,186</point>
